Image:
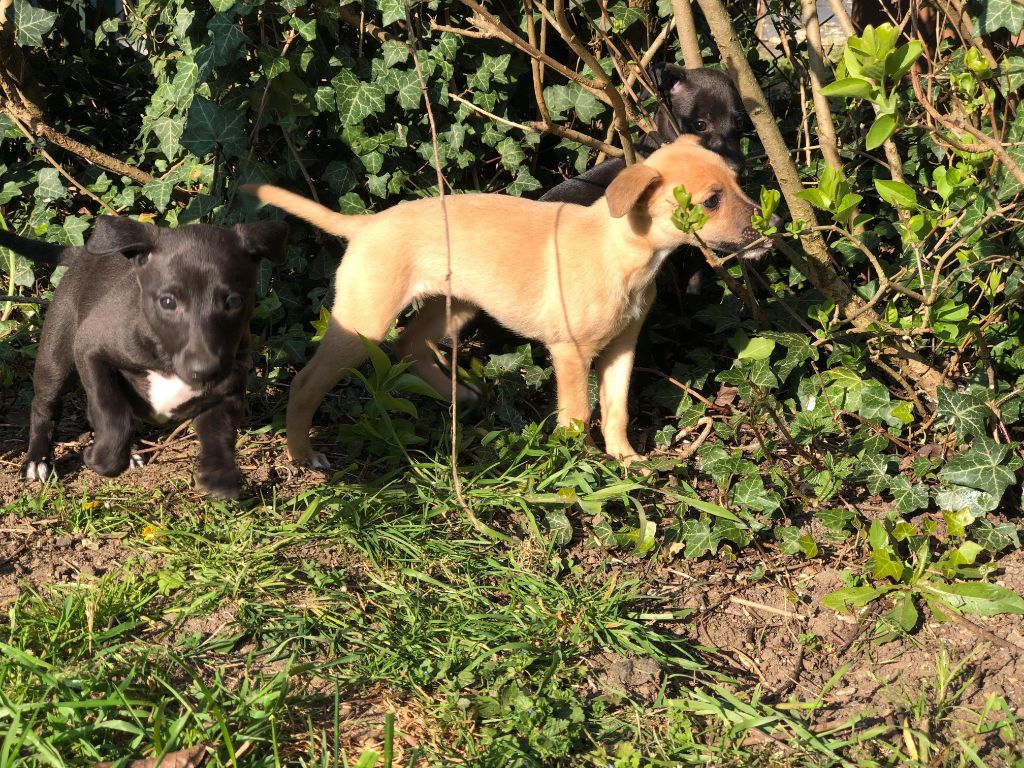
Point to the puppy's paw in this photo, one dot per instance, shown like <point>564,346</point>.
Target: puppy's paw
<point>632,458</point>
<point>221,483</point>
<point>39,471</point>
<point>319,461</point>
<point>137,460</point>
<point>103,462</point>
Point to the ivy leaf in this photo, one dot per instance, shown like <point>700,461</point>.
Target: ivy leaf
<point>31,23</point>
<point>696,535</point>
<point>722,465</point>
<point>564,99</point>
<point>71,231</point>
<point>750,494</point>
<point>391,10</point>
<point>908,498</point>
<point>356,100</point>
<point>410,94</point>
<point>792,542</point>
<point>995,538</point>
<point>222,5</point>
<point>986,466</point>
<point>730,530</point>
<point>757,348</point>
<point>225,38</point>
<point>182,88</point>
<point>339,178</point>
<point>23,276</point>
<point>968,414</point>
<point>1000,14</point>
<point>49,187</point>
<point>394,52</point>
<point>168,131</point>
<point>835,519</point>
<point>559,527</point>
<point>306,29</point>
<point>159,191</point>
<point>211,125</point>
<point>873,472</point>
<point>512,155</point>
<point>492,68</point>
<point>523,182</point>
<point>957,498</point>
<point>9,191</point>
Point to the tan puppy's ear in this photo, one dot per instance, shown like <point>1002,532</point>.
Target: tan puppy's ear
<point>628,187</point>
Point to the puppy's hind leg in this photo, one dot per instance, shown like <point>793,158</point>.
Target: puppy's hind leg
<point>429,325</point>
<point>364,311</point>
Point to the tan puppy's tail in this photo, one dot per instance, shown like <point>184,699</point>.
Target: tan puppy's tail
<point>318,215</point>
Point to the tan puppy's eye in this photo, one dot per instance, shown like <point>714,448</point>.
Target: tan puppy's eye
<point>712,202</point>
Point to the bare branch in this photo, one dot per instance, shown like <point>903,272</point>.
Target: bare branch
<point>687,34</point>
<point>816,71</point>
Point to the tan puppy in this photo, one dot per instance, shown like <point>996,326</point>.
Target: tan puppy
<point>579,279</point>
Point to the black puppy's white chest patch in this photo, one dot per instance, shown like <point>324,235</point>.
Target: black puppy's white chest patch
<point>163,393</point>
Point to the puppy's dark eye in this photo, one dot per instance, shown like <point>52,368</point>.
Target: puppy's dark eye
<point>233,301</point>
<point>712,202</point>
<point>168,303</point>
<point>700,126</point>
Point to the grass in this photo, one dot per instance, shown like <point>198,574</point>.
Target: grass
<point>369,623</point>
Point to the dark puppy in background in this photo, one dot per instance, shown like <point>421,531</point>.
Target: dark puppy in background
<point>155,322</point>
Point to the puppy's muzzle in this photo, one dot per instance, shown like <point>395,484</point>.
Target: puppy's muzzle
<point>759,244</point>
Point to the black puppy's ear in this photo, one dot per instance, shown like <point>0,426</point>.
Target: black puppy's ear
<point>119,234</point>
<point>264,240</point>
<point>668,77</point>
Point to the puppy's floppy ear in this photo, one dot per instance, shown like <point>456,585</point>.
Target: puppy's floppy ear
<point>264,240</point>
<point>671,85</point>
<point>668,78</point>
<point>628,188</point>
<point>117,233</point>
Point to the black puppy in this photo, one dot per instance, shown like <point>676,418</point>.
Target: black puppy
<point>155,322</point>
<point>699,101</point>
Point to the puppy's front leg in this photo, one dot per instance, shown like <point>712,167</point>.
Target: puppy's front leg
<point>217,428</point>
<point>572,369</point>
<point>614,367</point>
<point>54,366</point>
<point>110,414</point>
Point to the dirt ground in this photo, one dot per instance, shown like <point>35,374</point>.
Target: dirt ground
<point>772,632</point>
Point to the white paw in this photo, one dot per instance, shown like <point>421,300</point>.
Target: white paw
<point>319,461</point>
<point>38,471</point>
<point>137,460</point>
